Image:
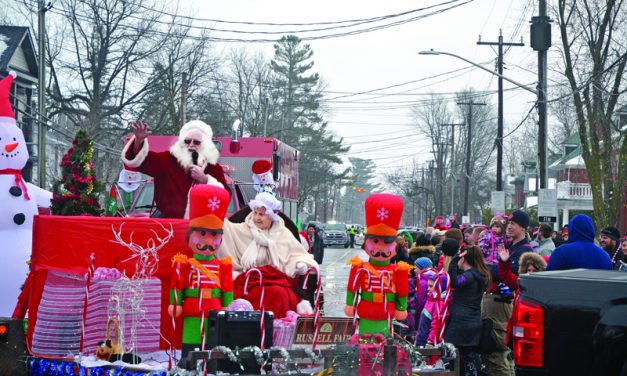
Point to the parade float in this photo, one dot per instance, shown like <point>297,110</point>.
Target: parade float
<point>98,299</point>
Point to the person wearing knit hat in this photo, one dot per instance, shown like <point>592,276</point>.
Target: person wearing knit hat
<point>203,282</point>
<point>383,286</point>
<point>19,202</point>
<point>262,176</point>
<point>493,306</point>
<point>193,159</point>
<point>520,218</point>
<point>492,239</point>
<point>609,241</point>
<point>423,263</point>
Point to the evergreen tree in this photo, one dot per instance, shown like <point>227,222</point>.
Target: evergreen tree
<point>361,184</point>
<point>76,192</point>
<point>296,120</point>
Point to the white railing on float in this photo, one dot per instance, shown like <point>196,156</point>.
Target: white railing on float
<point>574,191</point>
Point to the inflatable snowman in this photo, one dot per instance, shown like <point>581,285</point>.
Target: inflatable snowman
<point>18,204</point>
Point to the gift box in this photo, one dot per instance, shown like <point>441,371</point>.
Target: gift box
<point>58,329</point>
<point>284,329</point>
<point>57,332</point>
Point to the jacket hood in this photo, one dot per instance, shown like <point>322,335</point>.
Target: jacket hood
<point>580,228</point>
<point>531,258</point>
<point>422,248</point>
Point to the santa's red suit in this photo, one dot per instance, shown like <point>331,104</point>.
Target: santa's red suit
<point>172,181</point>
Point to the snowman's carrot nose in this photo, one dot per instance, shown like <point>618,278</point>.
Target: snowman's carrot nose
<point>10,147</point>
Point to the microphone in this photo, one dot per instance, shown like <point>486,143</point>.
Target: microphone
<point>195,157</point>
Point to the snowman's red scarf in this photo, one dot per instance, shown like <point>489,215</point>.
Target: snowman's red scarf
<point>19,182</point>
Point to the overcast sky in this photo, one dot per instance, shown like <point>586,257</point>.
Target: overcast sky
<point>379,126</point>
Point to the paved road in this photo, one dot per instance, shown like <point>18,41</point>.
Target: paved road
<point>335,278</point>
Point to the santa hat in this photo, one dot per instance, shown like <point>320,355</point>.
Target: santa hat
<point>7,116</point>
<point>207,206</point>
<point>383,214</point>
<point>261,166</point>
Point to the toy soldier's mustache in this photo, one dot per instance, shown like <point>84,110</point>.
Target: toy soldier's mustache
<point>381,253</point>
<point>205,247</point>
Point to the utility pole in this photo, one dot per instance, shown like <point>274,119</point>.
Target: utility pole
<point>440,177</point>
<point>41,97</point>
<point>452,125</point>
<point>265,116</point>
<point>468,152</point>
<point>432,208</point>
<point>499,130</point>
<point>183,99</point>
<point>422,183</point>
<point>541,41</point>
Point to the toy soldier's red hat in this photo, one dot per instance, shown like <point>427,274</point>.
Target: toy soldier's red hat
<point>207,206</point>
<point>383,214</point>
<point>261,166</point>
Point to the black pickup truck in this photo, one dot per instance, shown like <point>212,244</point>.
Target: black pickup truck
<point>571,322</point>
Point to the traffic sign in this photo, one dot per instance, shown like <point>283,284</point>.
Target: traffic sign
<point>497,202</point>
<point>547,205</point>
<point>546,219</point>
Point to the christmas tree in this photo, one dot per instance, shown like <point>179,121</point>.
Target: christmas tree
<point>76,192</point>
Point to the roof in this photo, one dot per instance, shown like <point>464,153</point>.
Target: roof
<point>12,38</point>
<point>571,160</point>
<point>573,139</point>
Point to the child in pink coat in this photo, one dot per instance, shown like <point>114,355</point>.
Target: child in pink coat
<point>431,315</point>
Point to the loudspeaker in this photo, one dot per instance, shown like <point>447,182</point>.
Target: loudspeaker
<point>237,329</point>
<point>13,354</point>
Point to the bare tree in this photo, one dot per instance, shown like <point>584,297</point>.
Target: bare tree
<point>178,55</point>
<point>594,59</point>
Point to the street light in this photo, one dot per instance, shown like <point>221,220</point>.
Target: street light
<point>433,52</point>
<point>541,103</point>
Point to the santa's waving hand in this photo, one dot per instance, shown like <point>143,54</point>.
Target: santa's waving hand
<point>191,160</point>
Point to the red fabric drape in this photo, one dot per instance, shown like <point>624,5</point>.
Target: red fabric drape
<point>65,243</point>
<point>279,290</point>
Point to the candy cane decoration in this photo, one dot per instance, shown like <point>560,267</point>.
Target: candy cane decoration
<point>386,273</point>
<point>262,325</point>
<point>356,290</point>
<point>176,297</point>
<point>90,273</point>
<point>441,316</point>
<point>317,301</point>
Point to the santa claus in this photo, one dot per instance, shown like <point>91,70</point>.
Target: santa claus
<point>191,160</point>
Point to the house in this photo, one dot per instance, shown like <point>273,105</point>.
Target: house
<point>17,53</point>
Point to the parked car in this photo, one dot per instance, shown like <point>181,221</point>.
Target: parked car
<point>336,234</point>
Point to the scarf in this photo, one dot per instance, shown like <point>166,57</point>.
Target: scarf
<point>19,181</point>
<point>251,247</point>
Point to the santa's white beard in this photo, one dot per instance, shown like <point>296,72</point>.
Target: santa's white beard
<point>184,156</point>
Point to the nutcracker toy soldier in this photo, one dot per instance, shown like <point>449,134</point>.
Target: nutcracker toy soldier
<point>381,285</point>
<point>203,283</point>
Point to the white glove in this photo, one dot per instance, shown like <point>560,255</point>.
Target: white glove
<point>301,268</point>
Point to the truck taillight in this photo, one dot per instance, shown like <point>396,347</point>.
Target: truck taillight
<point>528,333</point>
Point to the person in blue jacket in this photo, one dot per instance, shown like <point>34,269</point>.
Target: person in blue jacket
<point>580,250</point>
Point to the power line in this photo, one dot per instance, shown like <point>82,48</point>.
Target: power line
<point>259,40</point>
